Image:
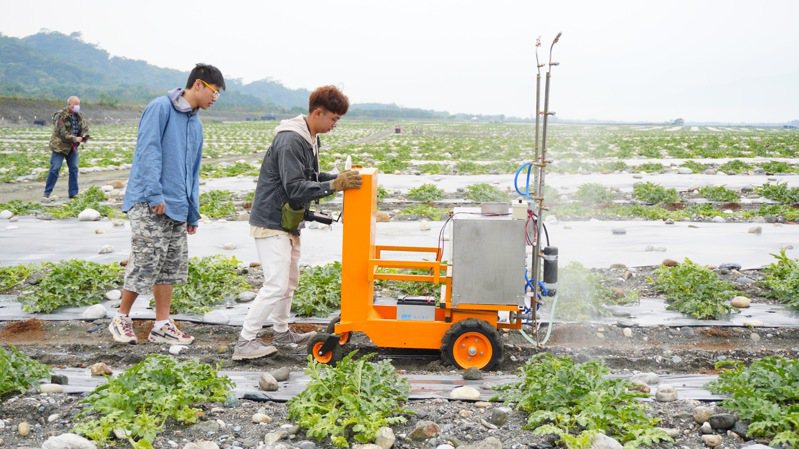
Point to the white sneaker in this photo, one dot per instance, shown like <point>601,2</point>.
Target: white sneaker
<point>170,334</point>
<point>121,329</point>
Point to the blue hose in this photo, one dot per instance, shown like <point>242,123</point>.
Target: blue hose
<point>526,192</point>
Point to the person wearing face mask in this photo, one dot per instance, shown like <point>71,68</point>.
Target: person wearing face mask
<point>162,200</point>
<point>69,131</point>
<point>289,180</point>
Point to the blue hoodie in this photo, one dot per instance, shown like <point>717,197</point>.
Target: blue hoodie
<point>166,162</point>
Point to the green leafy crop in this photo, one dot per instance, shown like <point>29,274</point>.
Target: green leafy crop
<point>13,275</point>
<point>735,166</point>
<point>91,198</point>
<point>694,290</point>
<point>211,280</point>
<point>765,395</point>
<point>71,282</point>
<point>351,401</point>
<point>593,194</point>
<point>217,204</point>
<point>719,193</point>
<point>781,278</point>
<point>18,372</point>
<point>425,192</point>
<point>18,207</point>
<point>779,192</point>
<point>140,400</point>
<point>319,290</point>
<point>576,401</point>
<point>652,193</point>
<point>483,192</point>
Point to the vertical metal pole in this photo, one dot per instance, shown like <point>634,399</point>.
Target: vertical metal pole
<point>532,207</point>
<point>540,164</point>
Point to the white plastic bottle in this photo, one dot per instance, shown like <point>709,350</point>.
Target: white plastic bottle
<point>348,163</point>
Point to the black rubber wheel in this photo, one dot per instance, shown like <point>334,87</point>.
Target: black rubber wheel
<point>330,357</point>
<point>344,338</point>
<point>472,343</point>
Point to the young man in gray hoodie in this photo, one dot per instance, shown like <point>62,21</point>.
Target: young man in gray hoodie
<point>289,180</point>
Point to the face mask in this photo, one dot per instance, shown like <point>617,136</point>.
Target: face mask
<point>76,108</point>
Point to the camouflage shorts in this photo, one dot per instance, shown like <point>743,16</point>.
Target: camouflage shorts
<point>159,251</point>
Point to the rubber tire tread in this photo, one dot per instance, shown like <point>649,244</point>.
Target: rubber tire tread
<point>472,325</point>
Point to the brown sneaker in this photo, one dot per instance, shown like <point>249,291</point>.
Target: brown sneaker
<point>290,337</point>
<point>252,349</point>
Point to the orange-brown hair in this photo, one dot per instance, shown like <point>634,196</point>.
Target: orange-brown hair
<point>330,99</point>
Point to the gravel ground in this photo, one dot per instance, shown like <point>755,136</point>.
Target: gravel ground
<point>661,350</point>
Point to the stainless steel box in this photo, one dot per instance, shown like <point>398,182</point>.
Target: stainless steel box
<point>488,260</point>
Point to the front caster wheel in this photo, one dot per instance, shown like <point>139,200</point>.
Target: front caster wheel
<point>325,349</point>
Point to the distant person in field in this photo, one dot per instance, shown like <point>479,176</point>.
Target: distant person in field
<point>289,180</point>
<point>70,129</point>
<point>162,201</point>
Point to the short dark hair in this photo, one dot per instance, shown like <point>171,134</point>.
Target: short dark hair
<point>207,73</point>
<point>330,99</point>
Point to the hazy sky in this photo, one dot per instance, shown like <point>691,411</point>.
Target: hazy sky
<point>732,61</point>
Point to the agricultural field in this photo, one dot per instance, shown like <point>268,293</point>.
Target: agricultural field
<point>601,359</point>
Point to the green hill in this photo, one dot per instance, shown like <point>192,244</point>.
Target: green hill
<point>53,66</point>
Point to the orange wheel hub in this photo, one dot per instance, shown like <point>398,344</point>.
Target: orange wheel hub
<point>344,338</point>
<point>472,349</point>
<point>324,358</point>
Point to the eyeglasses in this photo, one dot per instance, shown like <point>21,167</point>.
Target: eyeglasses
<point>216,93</point>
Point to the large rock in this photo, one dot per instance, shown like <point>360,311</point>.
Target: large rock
<point>424,430</point>
<point>94,312</point>
<point>472,373</point>
<point>646,378</point>
<point>385,437</point>
<point>465,393</point>
<point>281,374</point>
<point>68,441</point>
<point>499,416</point>
<point>267,382</point>
<point>51,388</point>
<point>202,444</point>
<point>101,369</point>
<point>488,443</point>
<point>666,393</point>
<point>722,421</point>
<point>711,440</point>
<point>602,441</point>
<point>260,418</point>
<point>741,302</point>
<point>702,414</point>
<point>6,214</point>
<point>113,295</point>
<point>246,296</point>
<point>89,214</point>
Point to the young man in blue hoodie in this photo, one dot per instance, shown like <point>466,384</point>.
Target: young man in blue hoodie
<point>162,201</point>
<point>289,180</point>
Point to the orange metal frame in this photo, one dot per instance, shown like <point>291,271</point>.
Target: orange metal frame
<point>361,262</point>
